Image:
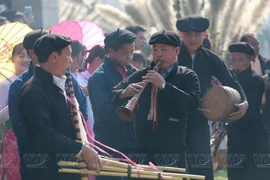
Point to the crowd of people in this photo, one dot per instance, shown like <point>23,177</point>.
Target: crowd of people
<point>8,14</point>
<point>168,128</point>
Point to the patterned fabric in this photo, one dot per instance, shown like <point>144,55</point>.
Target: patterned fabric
<point>215,82</point>
<point>10,160</point>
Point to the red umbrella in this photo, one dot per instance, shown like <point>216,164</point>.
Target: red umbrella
<point>88,33</point>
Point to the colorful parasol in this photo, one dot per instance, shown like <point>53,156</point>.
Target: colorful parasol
<point>88,33</point>
<point>11,34</point>
<point>92,34</point>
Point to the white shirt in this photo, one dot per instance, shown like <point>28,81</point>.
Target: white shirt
<point>4,89</point>
<point>193,58</point>
<point>60,82</point>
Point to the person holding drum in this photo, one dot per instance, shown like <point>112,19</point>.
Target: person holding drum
<point>168,93</point>
<point>206,64</point>
<point>247,137</point>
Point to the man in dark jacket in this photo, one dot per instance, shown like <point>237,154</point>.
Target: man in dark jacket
<point>108,128</point>
<point>247,137</point>
<point>261,66</point>
<point>14,90</point>
<point>161,118</point>
<point>206,64</point>
<point>49,130</point>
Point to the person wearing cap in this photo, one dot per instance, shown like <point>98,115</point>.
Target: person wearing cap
<point>247,137</point>
<point>161,138</point>
<point>206,64</point>
<point>45,113</point>
<point>261,65</point>
<point>14,90</point>
<point>108,128</point>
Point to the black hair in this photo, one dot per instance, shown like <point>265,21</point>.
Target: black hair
<point>135,29</point>
<point>45,57</point>
<point>96,51</point>
<point>139,57</point>
<point>207,43</point>
<point>17,49</point>
<point>8,3</point>
<point>244,38</point>
<point>77,47</point>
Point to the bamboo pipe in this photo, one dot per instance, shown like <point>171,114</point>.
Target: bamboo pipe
<point>115,169</point>
<point>126,113</point>
<point>117,174</point>
<point>177,176</point>
<point>123,165</point>
<point>170,169</point>
<point>142,172</point>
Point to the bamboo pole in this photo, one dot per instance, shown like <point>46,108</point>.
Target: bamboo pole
<point>105,173</point>
<point>135,171</point>
<point>123,165</point>
<point>170,169</point>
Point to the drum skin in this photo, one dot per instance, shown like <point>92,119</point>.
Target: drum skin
<point>220,100</point>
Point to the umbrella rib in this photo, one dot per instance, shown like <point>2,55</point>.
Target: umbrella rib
<point>89,30</point>
<point>73,32</point>
<point>91,36</point>
<point>11,28</point>
<point>8,70</point>
<point>57,27</point>
<point>5,77</point>
<point>17,41</point>
<point>69,29</point>
<point>2,31</point>
<point>61,25</point>
<point>16,32</point>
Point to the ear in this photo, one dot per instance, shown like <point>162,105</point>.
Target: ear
<point>54,56</point>
<point>181,34</point>
<point>31,53</point>
<point>111,50</point>
<point>97,59</point>
<point>177,50</point>
<point>204,34</point>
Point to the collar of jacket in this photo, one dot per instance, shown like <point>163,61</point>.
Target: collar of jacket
<point>43,75</point>
<point>110,62</point>
<point>244,73</point>
<point>184,49</point>
<point>112,65</point>
<point>173,71</point>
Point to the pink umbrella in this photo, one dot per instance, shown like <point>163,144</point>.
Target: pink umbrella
<point>69,28</point>
<point>88,33</point>
<point>92,34</point>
